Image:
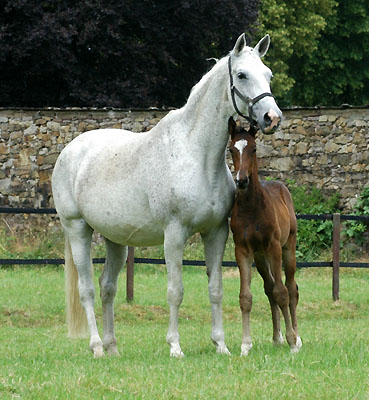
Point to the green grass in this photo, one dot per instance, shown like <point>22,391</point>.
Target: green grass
<point>37,361</point>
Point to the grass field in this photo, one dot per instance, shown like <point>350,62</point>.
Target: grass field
<point>38,361</point>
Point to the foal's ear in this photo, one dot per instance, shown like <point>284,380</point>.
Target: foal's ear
<point>240,44</point>
<point>262,47</point>
<point>231,126</point>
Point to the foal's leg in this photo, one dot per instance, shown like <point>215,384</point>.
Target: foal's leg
<point>174,240</point>
<point>280,291</point>
<point>80,235</point>
<point>289,262</point>
<point>214,243</point>
<point>264,270</point>
<point>244,261</point>
<point>115,258</point>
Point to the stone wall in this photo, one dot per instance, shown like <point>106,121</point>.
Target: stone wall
<point>326,148</point>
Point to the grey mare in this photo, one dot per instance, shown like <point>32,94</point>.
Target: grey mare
<point>161,186</point>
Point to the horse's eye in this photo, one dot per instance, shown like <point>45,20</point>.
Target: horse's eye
<point>254,151</point>
<point>241,75</point>
<point>231,150</point>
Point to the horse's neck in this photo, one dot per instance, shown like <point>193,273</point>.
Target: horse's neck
<point>206,114</point>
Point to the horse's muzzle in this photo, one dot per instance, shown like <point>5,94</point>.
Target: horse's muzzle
<point>271,121</point>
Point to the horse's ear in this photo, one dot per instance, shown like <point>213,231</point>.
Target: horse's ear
<point>240,44</point>
<point>262,47</point>
<point>231,126</point>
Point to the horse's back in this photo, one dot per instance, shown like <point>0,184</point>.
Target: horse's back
<point>97,178</point>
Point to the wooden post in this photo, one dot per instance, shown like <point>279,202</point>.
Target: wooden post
<point>130,273</point>
<point>336,257</point>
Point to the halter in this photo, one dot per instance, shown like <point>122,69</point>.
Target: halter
<point>248,100</point>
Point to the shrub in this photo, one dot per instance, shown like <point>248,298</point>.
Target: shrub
<point>353,229</point>
<point>313,236</point>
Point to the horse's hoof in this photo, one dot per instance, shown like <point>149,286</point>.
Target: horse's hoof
<point>113,351</point>
<point>222,349</point>
<point>175,351</point>
<point>245,348</point>
<point>176,354</point>
<point>98,352</point>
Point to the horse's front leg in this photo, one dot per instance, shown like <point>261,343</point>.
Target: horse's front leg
<point>174,240</point>
<point>214,243</point>
<point>244,261</point>
<point>116,256</point>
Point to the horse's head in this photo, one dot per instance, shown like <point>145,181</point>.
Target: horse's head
<point>250,85</point>
<point>243,151</point>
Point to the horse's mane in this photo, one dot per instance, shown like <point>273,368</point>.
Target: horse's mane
<point>204,82</point>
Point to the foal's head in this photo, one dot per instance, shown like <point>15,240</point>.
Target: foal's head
<point>243,151</point>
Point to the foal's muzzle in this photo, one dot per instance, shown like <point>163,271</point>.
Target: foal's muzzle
<point>243,183</point>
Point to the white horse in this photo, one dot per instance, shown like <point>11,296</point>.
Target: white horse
<point>158,187</point>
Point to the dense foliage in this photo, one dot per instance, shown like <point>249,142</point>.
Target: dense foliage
<point>336,71</point>
<point>314,236</point>
<point>105,53</point>
<point>320,52</point>
<point>295,27</point>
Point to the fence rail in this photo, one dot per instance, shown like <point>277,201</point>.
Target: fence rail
<point>335,264</point>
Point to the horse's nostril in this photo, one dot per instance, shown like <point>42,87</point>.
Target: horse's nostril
<point>267,119</point>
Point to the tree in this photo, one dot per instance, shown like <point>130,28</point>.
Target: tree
<point>295,27</point>
<point>337,71</point>
<point>120,54</point>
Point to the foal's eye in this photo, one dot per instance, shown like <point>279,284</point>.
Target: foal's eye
<point>241,75</point>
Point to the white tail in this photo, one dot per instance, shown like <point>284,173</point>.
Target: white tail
<point>76,316</point>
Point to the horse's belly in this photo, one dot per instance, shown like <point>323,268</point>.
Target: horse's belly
<point>128,231</point>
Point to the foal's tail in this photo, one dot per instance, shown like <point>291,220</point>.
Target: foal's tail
<point>76,316</point>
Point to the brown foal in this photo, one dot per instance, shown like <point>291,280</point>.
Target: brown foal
<point>264,229</point>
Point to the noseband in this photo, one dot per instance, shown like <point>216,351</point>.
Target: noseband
<point>248,100</point>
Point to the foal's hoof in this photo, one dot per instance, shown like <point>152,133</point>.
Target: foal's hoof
<point>278,340</point>
<point>297,347</point>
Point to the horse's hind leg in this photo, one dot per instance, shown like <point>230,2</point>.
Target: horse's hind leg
<point>174,240</point>
<point>289,262</point>
<point>79,235</point>
<point>244,262</point>
<point>115,258</point>
<point>214,243</point>
<point>264,270</point>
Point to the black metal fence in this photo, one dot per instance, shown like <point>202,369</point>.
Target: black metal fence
<point>335,264</point>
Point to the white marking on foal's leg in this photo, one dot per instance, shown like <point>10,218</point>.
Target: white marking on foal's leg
<point>297,347</point>
<point>279,339</point>
<point>245,348</point>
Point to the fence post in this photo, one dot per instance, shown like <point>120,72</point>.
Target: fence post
<point>336,257</point>
<point>130,273</point>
